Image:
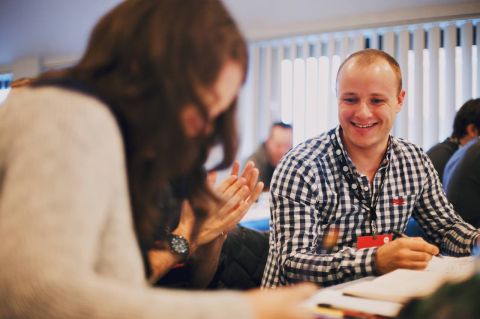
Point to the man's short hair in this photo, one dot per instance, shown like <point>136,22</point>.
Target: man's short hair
<point>282,125</point>
<point>369,56</point>
<point>469,113</point>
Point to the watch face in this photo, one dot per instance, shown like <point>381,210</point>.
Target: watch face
<point>179,245</point>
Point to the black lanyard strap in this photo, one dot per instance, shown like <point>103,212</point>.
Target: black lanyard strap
<point>370,203</point>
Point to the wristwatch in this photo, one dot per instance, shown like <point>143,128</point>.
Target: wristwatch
<point>179,246</point>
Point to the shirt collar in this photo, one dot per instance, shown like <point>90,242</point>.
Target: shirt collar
<point>339,149</point>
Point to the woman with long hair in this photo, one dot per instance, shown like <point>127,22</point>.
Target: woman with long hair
<point>102,163</point>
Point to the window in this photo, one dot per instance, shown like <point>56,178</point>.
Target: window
<point>439,62</point>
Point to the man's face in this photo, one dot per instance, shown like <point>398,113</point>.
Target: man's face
<point>278,144</point>
<point>368,102</point>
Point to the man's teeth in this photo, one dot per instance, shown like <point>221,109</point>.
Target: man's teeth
<point>363,126</point>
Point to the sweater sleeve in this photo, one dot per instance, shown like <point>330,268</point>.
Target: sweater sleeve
<point>58,171</point>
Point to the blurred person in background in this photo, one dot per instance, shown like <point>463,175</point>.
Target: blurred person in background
<point>267,156</point>
<point>463,188</point>
<point>466,127</point>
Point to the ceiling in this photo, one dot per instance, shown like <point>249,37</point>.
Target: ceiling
<point>56,28</point>
<point>259,20</point>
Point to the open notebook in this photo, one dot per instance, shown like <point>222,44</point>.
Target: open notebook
<point>403,284</point>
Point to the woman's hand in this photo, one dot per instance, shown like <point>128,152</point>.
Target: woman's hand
<point>237,193</point>
<point>206,234</point>
<point>282,303</point>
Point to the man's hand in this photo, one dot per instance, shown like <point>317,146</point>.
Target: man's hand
<point>409,253</point>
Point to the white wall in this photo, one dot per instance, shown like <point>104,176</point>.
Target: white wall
<point>52,32</point>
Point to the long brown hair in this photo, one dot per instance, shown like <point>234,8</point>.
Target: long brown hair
<point>148,59</point>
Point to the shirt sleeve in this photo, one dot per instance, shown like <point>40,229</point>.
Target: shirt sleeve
<point>438,219</point>
<point>298,207</point>
<point>59,172</point>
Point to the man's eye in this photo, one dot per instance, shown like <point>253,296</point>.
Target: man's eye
<point>377,101</point>
<point>349,100</point>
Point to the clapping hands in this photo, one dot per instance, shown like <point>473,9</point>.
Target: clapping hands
<point>237,194</point>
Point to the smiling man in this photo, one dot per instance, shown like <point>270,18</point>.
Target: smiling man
<point>337,199</point>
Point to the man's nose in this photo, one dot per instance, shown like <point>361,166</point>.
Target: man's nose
<point>363,109</point>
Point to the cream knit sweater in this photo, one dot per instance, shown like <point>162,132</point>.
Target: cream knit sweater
<point>67,246</point>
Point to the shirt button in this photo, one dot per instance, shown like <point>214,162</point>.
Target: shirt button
<point>345,169</point>
<point>338,152</point>
<point>365,188</point>
<point>332,136</point>
<point>354,186</point>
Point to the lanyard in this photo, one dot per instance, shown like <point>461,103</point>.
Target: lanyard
<point>370,203</point>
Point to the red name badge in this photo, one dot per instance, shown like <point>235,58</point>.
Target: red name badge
<point>369,241</point>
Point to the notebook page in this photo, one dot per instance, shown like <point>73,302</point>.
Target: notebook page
<point>335,299</point>
<point>403,284</point>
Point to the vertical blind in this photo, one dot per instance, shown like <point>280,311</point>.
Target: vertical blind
<point>293,79</point>
<point>5,80</point>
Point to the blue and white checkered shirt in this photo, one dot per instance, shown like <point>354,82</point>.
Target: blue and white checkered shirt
<point>310,192</point>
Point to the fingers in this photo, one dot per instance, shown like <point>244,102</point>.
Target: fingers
<point>418,244</point>
<point>253,178</point>
<point>247,169</point>
<point>234,212</point>
<point>415,259</point>
<point>410,259</point>
<point>235,216</point>
<point>249,175</point>
<point>234,188</point>
<point>243,194</point>
<point>235,168</point>
<point>418,256</point>
<point>225,184</point>
<point>235,199</point>
<point>410,253</point>
<point>255,193</point>
<point>237,205</point>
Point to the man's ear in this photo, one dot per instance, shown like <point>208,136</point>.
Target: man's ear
<point>191,120</point>
<point>400,100</point>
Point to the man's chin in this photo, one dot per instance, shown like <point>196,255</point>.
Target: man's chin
<point>363,142</point>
